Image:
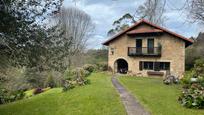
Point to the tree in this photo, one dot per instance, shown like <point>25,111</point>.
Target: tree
<point>121,24</point>
<point>95,56</point>
<point>151,10</point>
<point>21,29</point>
<point>23,36</point>
<point>196,49</point>
<point>196,10</point>
<point>76,27</point>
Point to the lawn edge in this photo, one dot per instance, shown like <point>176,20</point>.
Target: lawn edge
<point>142,104</point>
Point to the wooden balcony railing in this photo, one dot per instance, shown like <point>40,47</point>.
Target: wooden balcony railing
<point>144,51</point>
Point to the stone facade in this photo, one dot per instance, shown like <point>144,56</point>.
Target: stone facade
<point>173,51</point>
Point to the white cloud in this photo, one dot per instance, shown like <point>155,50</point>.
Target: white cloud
<point>104,12</point>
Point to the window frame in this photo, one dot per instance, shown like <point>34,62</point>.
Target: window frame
<point>112,51</point>
<point>149,64</point>
<point>163,66</point>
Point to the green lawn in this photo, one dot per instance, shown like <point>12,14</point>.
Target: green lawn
<point>158,98</point>
<point>98,98</point>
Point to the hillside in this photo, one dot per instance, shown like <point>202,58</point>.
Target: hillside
<point>97,98</point>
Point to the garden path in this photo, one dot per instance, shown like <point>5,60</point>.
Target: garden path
<point>131,104</point>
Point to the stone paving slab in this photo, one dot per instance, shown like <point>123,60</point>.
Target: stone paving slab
<point>132,106</point>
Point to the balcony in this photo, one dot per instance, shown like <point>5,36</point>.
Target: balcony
<point>144,51</point>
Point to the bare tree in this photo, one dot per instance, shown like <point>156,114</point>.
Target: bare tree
<point>196,10</point>
<point>153,11</point>
<point>77,26</point>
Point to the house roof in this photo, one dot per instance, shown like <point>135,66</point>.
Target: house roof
<point>144,30</point>
<point>158,29</point>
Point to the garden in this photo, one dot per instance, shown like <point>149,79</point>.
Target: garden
<point>91,85</point>
<point>184,97</point>
<point>30,87</point>
<point>99,97</point>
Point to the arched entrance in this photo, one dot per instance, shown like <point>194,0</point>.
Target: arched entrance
<point>121,66</point>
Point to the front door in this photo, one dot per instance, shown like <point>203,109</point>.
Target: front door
<point>138,46</point>
<point>150,46</point>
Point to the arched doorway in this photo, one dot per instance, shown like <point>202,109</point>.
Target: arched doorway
<point>121,66</point>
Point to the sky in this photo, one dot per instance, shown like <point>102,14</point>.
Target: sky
<point>105,12</point>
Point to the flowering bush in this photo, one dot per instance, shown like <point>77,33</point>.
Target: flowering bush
<point>193,96</point>
<point>193,89</point>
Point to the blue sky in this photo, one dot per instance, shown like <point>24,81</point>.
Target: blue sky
<point>104,12</point>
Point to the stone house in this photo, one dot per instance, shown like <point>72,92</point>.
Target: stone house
<point>146,49</point>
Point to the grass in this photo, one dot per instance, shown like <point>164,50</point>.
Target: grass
<point>158,98</point>
<point>98,98</point>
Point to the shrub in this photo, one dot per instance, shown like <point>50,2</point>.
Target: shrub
<point>57,77</point>
<point>87,82</point>
<point>102,66</point>
<point>89,67</point>
<point>86,73</point>
<point>35,77</point>
<point>193,96</point>
<point>69,74</point>
<point>6,96</point>
<point>50,81</point>
<point>80,76</point>
<point>187,77</point>
<point>198,69</point>
<point>67,85</point>
<point>37,91</point>
<point>76,77</point>
<point>193,87</point>
<point>2,96</point>
<point>17,95</point>
<point>73,74</point>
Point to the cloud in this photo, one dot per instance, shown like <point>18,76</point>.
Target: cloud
<point>95,41</point>
<point>104,12</point>
<point>177,22</point>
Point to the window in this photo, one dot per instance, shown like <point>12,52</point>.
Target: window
<point>150,46</point>
<point>112,51</point>
<point>148,65</point>
<point>165,65</point>
<point>156,66</point>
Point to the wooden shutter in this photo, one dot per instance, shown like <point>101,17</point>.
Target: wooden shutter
<point>140,65</point>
